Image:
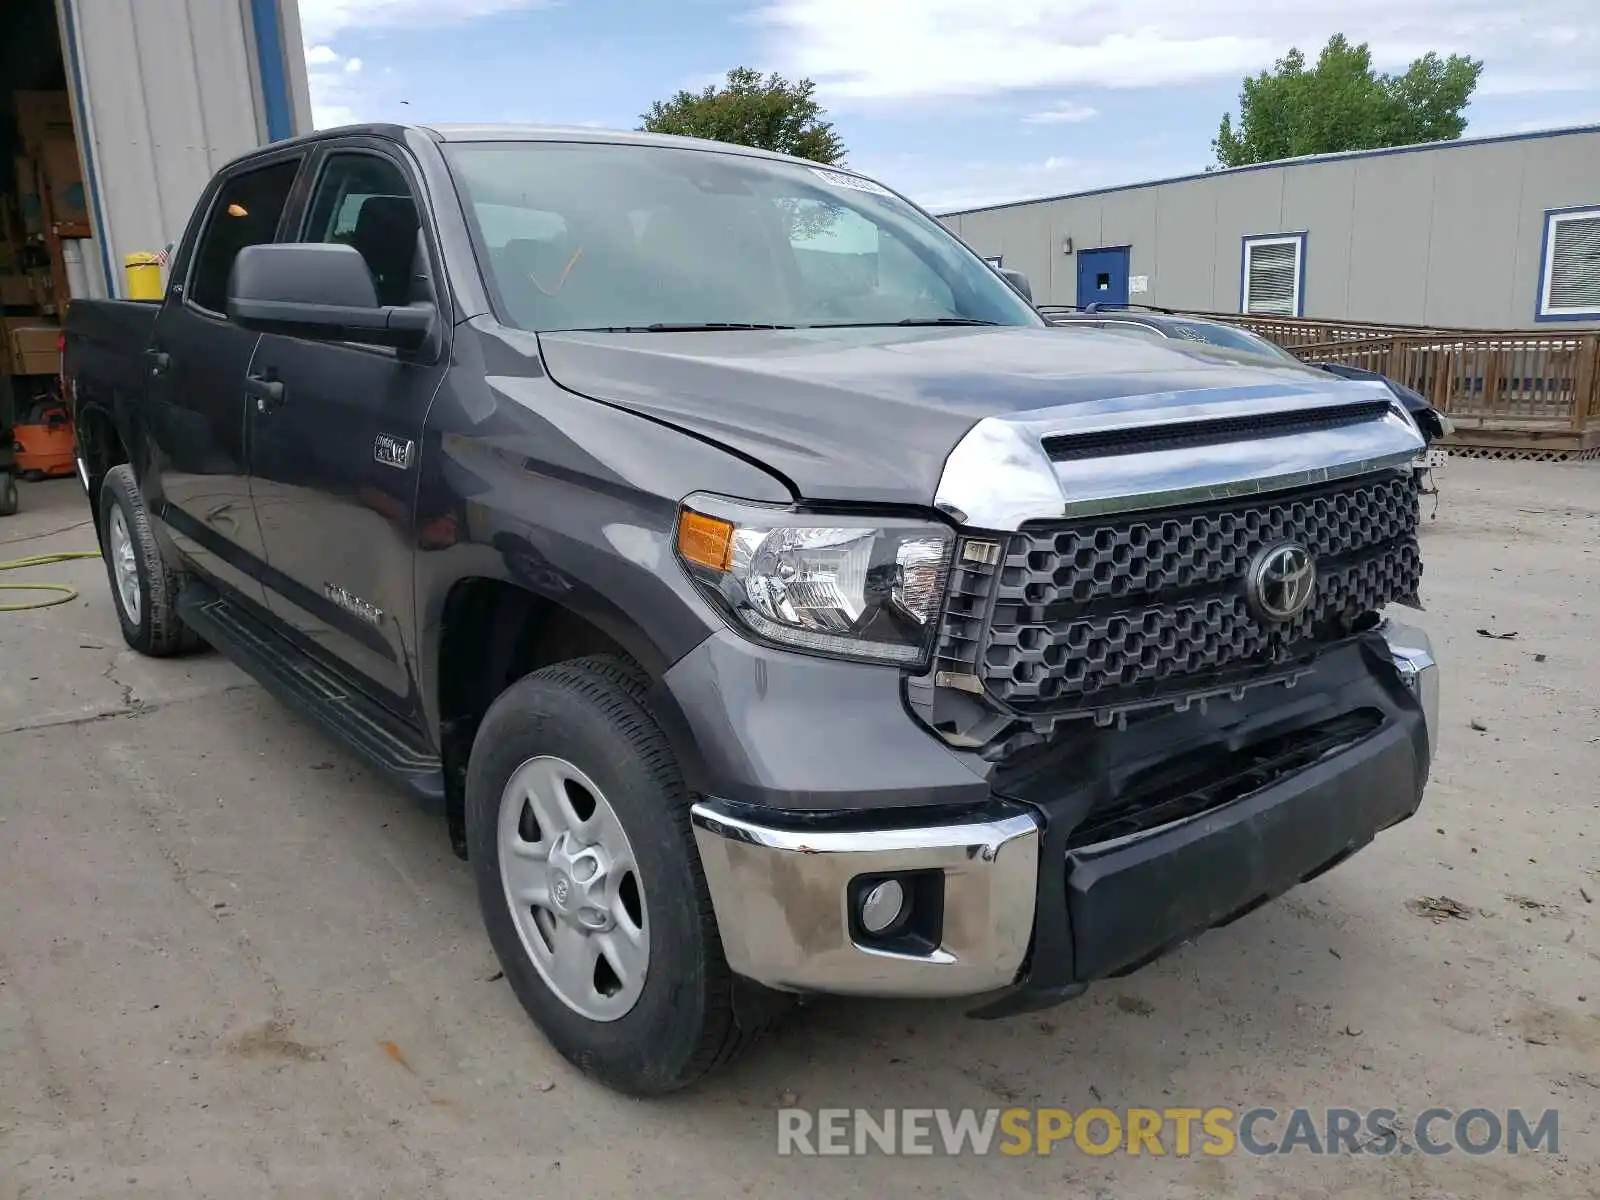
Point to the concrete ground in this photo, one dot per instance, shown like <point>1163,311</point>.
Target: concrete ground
<point>233,963</point>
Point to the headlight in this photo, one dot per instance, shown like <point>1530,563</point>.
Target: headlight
<point>855,587</point>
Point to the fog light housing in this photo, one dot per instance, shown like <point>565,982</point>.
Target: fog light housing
<point>899,912</point>
<point>883,906</point>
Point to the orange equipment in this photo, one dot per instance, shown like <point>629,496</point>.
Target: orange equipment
<point>44,441</point>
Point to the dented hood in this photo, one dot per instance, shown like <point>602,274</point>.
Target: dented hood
<point>871,414</point>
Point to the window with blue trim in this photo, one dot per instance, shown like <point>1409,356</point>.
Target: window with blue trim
<point>1569,274</point>
<point>1272,275</point>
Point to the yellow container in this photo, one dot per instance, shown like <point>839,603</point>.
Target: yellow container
<point>143,273</point>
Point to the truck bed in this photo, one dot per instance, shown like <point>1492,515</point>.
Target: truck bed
<point>106,341</point>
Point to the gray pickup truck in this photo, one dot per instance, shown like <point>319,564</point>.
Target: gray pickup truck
<point>767,598</point>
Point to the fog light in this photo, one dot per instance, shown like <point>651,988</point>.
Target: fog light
<point>883,906</point>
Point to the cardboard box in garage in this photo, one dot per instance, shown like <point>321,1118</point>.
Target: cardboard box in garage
<point>64,178</point>
<point>44,286</point>
<point>34,348</point>
<point>16,291</point>
<point>27,194</point>
<point>42,116</point>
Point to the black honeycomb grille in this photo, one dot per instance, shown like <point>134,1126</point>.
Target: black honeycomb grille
<point>1111,611</point>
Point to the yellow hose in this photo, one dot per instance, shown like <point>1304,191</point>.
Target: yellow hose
<point>60,593</point>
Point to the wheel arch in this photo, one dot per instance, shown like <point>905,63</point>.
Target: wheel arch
<point>485,631</point>
<point>101,445</point>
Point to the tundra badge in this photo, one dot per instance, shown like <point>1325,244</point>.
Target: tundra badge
<point>353,604</point>
<point>392,451</point>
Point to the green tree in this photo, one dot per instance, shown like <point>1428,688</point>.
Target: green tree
<point>1343,104</point>
<point>770,114</point>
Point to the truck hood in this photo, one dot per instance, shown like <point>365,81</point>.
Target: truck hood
<point>873,413</point>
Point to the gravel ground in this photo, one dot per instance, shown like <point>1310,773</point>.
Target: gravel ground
<point>234,964</point>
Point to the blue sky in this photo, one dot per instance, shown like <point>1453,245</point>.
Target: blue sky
<point>957,103</point>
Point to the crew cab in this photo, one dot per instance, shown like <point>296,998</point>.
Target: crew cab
<point>768,599</point>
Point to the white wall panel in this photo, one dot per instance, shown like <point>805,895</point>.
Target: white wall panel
<point>165,92</point>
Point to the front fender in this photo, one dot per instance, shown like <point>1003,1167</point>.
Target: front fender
<point>571,500</point>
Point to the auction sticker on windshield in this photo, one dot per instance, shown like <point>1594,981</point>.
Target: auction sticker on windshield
<point>854,182</point>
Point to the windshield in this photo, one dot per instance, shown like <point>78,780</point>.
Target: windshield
<point>604,236</point>
<point>1230,337</point>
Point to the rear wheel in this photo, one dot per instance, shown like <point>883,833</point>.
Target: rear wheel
<point>143,588</point>
<point>589,882</point>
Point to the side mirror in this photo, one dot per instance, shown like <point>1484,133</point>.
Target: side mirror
<point>322,291</point>
<point>1019,281</point>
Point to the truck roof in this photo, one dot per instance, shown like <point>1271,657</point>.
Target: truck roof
<point>525,133</point>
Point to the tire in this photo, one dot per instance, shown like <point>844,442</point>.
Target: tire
<point>8,495</point>
<point>591,715</point>
<point>148,611</point>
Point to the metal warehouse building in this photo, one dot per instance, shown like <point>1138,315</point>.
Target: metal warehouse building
<point>113,116</point>
<point>1500,232</point>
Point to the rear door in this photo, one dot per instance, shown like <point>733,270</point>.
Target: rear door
<point>334,456</point>
<point>197,481</point>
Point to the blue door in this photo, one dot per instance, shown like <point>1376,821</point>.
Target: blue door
<point>1103,276</point>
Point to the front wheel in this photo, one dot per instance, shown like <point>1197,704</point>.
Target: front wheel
<point>589,881</point>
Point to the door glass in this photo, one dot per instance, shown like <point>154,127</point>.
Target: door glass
<point>363,200</point>
<point>245,213</point>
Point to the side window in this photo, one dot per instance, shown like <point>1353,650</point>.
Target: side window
<point>363,200</point>
<point>245,213</point>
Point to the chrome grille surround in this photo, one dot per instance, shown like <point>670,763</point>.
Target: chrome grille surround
<point>1102,585</point>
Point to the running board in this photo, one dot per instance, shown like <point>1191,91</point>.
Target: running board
<point>316,692</point>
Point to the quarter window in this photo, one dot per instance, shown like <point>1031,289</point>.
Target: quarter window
<point>245,212</point>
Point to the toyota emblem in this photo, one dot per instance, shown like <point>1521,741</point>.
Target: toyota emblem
<point>1282,580</point>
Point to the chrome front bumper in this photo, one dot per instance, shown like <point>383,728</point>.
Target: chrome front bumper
<point>781,898</point>
<point>782,894</point>
<point>1413,658</point>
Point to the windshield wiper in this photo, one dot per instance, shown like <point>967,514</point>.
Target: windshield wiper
<point>667,327</point>
<point>906,321</point>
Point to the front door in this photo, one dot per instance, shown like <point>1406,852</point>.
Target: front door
<point>197,481</point>
<point>334,447</point>
<point>1103,277</point>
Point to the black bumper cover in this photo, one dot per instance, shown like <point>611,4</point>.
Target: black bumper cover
<point>1106,910</point>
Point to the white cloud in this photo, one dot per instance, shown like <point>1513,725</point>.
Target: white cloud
<point>331,116</point>
<point>323,20</point>
<point>338,97</point>
<point>943,183</point>
<point>899,50</point>
<point>1557,120</point>
<point>1578,77</point>
<point>1065,113</point>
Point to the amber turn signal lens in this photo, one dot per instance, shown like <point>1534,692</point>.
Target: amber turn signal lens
<point>705,541</point>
